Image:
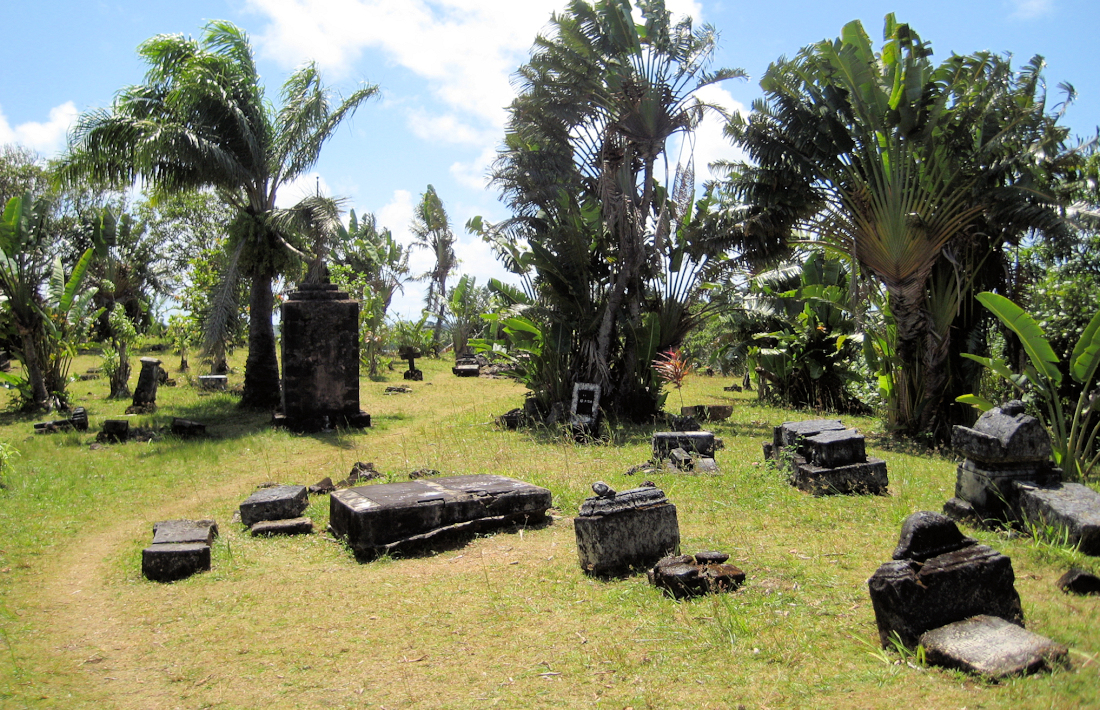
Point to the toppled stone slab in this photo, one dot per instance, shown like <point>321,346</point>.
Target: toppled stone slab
<point>184,531</point>
<point>1070,510</point>
<point>325,485</point>
<point>214,382</point>
<point>1078,581</point>
<point>694,575</point>
<point>911,596</point>
<point>170,562</point>
<point>991,647</point>
<point>406,516</point>
<point>187,428</point>
<point>275,503</point>
<point>699,442</point>
<point>78,420</point>
<point>398,389</point>
<point>788,434</point>
<point>293,526</point>
<point>866,478</point>
<point>622,532</point>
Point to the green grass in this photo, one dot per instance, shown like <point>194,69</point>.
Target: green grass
<point>507,620</point>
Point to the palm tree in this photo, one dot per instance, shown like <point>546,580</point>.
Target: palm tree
<point>431,230</point>
<point>201,120</point>
<point>891,160</point>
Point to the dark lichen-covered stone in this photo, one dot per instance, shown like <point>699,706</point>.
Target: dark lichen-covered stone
<point>927,534</point>
<point>834,448</point>
<point>320,341</point>
<point>293,526</point>
<point>1070,511</point>
<point>910,597</point>
<point>694,575</point>
<point>699,442</point>
<point>1003,435</point>
<point>607,501</point>
<point>627,541</point>
<point>145,393</point>
<point>187,428</point>
<point>868,477</point>
<point>398,517</point>
<point>788,434</point>
<point>274,503</point>
<point>213,382</point>
<point>991,647</point>
<point>184,531</point>
<point>114,430</point>
<point>174,561</point>
<point>1078,581</point>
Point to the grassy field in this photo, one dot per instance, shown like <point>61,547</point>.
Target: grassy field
<point>505,621</point>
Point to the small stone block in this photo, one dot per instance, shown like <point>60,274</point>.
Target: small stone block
<point>831,449</point>
<point>466,370</point>
<point>680,459</point>
<point>705,465</point>
<point>1070,508</point>
<point>275,503</point>
<point>174,561</point>
<point>294,526</point>
<point>991,647</point>
<point>689,576</point>
<point>117,430</point>
<point>631,540</point>
<point>789,433</point>
<point>213,382</point>
<point>1078,581</point>
<point>961,510</point>
<point>867,478</point>
<point>187,428</point>
<point>185,531</point>
<point>699,442</point>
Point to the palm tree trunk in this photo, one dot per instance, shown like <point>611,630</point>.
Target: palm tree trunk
<point>35,375</point>
<point>907,306</point>
<point>261,369</point>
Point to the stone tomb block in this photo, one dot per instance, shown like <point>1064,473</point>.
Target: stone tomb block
<point>836,447</point>
<point>275,503</point>
<point>789,434</point>
<point>867,477</point>
<point>185,531</point>
<point>991,647</point>
<point>293,526</point>
<point>172,561</point>
<point>912,595</point>
<point>466,366</point>
<point>699,442</point>
<point>1070,511</point>
<point>618,533</point>
<point>145,394</point>
<point>406,516</point>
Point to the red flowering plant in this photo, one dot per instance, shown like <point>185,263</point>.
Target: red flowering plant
<point>671,367</point>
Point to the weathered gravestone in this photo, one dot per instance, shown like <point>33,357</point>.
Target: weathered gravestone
<point>693,575</point>
<point>1007,476</point>
<point>114,431</point>
<point>78,420</point>
<point>187,428</point>
<point>697,442</point>
<point>213,382</point>
<point>992,647</point>
<point>618,533</point>
<point>584,409</point>
<point>825,458</point>
<point>320,334</point>
<point>180,549</point>
<point>938,577</point>
<point>414,515</point>
<point>145,394</point>
<point>408,352</point>
<point>1078,581</point>
<point>274,503</point>
<point>466,366</point>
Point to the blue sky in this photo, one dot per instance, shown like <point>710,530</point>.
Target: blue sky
<point>444,69</point>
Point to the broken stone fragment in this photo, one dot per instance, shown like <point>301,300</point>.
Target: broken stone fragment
<point>325,485</point>
<point>359,473</point>
<point>698,442</point>
<point>1069,511</point>
<point>694,575</point>
<point>276,503</point>
<point>423,473</point>
<point>114,431</point>
<point>170,562</point>
<point>1078,581</point>
<point>927,534</point>
<point>293,526</point>
<point>991,647</point>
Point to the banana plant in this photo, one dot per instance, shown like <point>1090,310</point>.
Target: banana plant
<point>1073,433</point>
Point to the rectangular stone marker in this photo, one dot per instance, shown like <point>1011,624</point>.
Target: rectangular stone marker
<point>294,526</point>
<point>626,538</point>
<point>213,382</point>
<point>789,433</point>
<point>185,531</point>
<point>275,503</point>
<point>394,517</point>
<point>1070,509</point>
<point>700,442</point>
<point>585,405</point>
<point>868,477</point>
<point>170,562</point>
<point>991,647</point>
<point>830,449</point>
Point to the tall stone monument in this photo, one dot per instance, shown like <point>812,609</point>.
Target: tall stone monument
<point>320,331</point>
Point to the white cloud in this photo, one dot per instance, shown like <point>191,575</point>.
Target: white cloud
<point>45,138</point>
<point>475,174</point>
<point>1030,9</point>
<point>300,187</point>
<point>710,143</point>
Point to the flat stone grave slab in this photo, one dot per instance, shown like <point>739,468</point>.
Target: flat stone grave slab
<point>185,531</point>
<point>830,449</point>
<point>275,503</point>
<point>1070,509</point>
<point>867,477</point>
<point>173,561</point>
<point>213,382</point>
<point>789,433</point>
<point>293,526</point>
<point>991,647</point>
<point>395,517</point>
<point>619,533</point>
<point>699,442</point>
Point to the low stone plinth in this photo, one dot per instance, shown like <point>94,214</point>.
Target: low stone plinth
<point>695,575</point>
<point>788,434</point>
<point>170,562</point>
<point>1071,511</point>
<point>213,382</point>
<point>618,533</point>
<point>991,647</point>
<point>185,531</point>
<point>913,595</point>
<point>834,448</point>
<point>187,428</point>
<point>114,431</point>
<point>275,503</point>
<point>406,516</point>
<point>293,526</point>
<point>866,478</point>
<point>699,442</point>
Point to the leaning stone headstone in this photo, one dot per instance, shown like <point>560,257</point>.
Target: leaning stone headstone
<point>618,533</point>
<point>407,516</point>
<point>991,647</point>
<point>584,409</point>
<point>694,575</point>
<point>180,548</point>
<point>145,394</point>
<point>275,503</point>
<point>938,577</point>
<point>292,526</point>
<point>320,336</point>
<point>78,420</point>
<point>1078,581</point>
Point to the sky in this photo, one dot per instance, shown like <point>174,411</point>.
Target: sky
<point>445,67</point>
